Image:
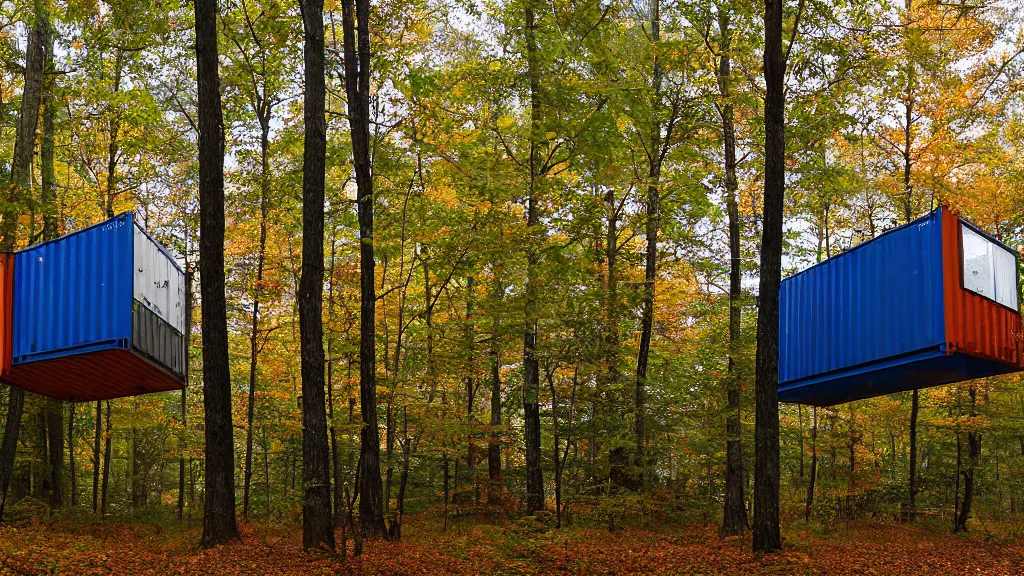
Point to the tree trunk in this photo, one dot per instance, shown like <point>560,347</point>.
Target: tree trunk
<point>913,454</point>
<point>734,519</point>
<point>96,453</point>
<point>184,397</point>
<point>17,194</point>
<point>766,436</point>
<point>356,18</point>
<point>106,465</point>
<point>470,390</point>
<point>15,407</point>
<point>21,170</point>
<point>113,145</point>
<point>72,481</point>
<point>653,207</point>
<point>317,520</point>
<point>339,508</point>
<point>973,455</point>
<point>219,524</point>
<point>263,113</point>
<point>55,450</point>
<point>54,407</point>
<point>809,508</point>
<point>531,367</point>
<point>494,444</point>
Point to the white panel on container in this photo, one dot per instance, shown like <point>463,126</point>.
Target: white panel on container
<point>1006,276</point>
<point>159,284</point>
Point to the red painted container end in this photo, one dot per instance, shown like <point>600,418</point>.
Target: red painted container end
<point>6,308</point>
<point>974,325</point>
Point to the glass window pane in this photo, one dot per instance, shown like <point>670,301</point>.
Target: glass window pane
<point>1006,276</point>
<point>978,276</point>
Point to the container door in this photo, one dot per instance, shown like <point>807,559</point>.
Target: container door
<point>158,316</point>
<point>159,283</point>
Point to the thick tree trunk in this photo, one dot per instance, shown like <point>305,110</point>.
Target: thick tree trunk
<point>54,407</point>
<point>317,520</point>
<point>356,19</point>
<point>766,433</point>
<point>219,523</point>
<point>531,367</point>
<point>16,195</point>
<point>734,519</point>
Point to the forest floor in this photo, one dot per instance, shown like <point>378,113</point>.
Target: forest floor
<point>115,547</point>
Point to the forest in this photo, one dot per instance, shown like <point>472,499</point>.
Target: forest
<point>492,287</point>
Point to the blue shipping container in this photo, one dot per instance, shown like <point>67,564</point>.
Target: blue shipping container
<point>98,314</point>
<point>873,320</point>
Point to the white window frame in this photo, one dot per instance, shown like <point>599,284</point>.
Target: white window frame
<point>1011,302</point>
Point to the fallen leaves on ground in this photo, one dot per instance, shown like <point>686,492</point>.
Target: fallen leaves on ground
<point>125,548</point>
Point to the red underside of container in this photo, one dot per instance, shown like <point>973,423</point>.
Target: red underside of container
<point>974,325</point>
<point>101,375</point>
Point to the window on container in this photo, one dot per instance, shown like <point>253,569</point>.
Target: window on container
<point>989,269</point>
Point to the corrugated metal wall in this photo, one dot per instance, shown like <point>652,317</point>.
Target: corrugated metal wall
<point>159,283</point>
<point>155,338</point>
<point>975,325</point>
<point>6,296</point>
<point>75,293</point>
<point>878,300</point>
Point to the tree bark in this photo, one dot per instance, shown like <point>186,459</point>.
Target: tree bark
<point>317,520</point>
<point>96,453</point>
<point>219,523</point>
<point>184,397</point>
<point>809,507</point>
<point>263,111</point>
<point>766,434</point>
<point>17,193</point>
<point>655,155</point>
<point>55,450</point>
<point>72,480</point>
<point>914,406</point>
<point>339,518</point>
<point>54,407</point>
<point>113,143</point>
<point>494,444</point>
<point>356,19</point>
<point>470,390</point>
<point>20,181</point>
<point>973,455</point>
<point>531,367</point>
<point>734,519</point>
<point>106,465</point>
